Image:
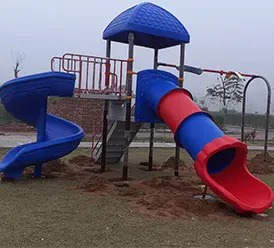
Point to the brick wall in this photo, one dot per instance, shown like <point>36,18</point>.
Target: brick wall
<point>16,127</point>
<point>87,113</point>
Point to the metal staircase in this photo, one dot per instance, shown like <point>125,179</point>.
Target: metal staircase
<point>115,141</point>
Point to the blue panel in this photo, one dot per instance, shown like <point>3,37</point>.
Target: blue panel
<point>152,85</point>
<point>156,90</point>
<point>197,131</point>
<point>153,26</point>
<point>31,91</point>
<point>26,99</point>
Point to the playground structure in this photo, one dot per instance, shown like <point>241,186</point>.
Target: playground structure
<point>220,161</point>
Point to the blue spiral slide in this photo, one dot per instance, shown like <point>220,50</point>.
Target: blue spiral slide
<point>26,99</point>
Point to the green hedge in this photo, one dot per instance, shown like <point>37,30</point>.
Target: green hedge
<point>251,120</point>
<point>235,119</point>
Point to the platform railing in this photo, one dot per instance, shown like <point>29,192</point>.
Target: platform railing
<point>97,75</point>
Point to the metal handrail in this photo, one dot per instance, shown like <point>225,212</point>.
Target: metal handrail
<point>97,147</point>
<point>90,71</point>
<point>267,110</point>
<point>90,56</point>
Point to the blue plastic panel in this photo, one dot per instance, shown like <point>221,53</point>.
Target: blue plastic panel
<point>29,94</point>
<point>153,26</point>
<point>197,131</point>
<point>152,85</point>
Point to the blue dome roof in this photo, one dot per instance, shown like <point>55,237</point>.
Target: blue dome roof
<point>152,25</point>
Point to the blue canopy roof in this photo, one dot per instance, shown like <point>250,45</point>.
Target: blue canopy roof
<point>152,25</point>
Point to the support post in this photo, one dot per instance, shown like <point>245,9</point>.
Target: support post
<point>105,120</point>
<point>104,139</point>
<point>41,133</point>
<point>128,104</point>
<point>204,192</point>
<point>152,125</point>
<point>181,80</point>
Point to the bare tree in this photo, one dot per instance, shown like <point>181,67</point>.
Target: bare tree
<point>18,60</point>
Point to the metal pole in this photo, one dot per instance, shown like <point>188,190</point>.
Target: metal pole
<point>152,125</point>
<point>128,104</point>
<point>267,111</point>
<point>227,72</point>
<point>105,120</point>
<point>204,192</point>
<point>180,84</point>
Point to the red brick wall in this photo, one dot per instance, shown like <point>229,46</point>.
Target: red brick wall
<point>16,127</point>
<point>87,113</point>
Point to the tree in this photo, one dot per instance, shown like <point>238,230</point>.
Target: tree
<point>229,90</point>
<point>201,103</point>
<point>18,60</point>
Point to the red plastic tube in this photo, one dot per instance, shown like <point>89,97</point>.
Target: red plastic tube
<point>175,107</point>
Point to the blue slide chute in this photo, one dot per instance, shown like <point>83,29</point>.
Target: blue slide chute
<point>25,98</point>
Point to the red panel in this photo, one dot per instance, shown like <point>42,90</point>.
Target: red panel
<point>235,184</point>
<point>175,106</point>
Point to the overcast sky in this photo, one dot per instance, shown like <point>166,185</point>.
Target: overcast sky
<point>230,35</point>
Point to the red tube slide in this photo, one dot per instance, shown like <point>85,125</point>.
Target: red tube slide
<point>220,160</point>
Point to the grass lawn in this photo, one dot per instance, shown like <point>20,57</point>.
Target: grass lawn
<point>49,213</point>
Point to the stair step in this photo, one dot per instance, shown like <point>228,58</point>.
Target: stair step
<point>111,160</point>
<point>111,152</point>
<point>121,131</point>
<point>116,139</point>
<point>115,146</point>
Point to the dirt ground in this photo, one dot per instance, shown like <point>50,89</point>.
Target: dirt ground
<point>79,207</point>
<point>163,196</point>
<point>257,164</point>
<point>75,168</point>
